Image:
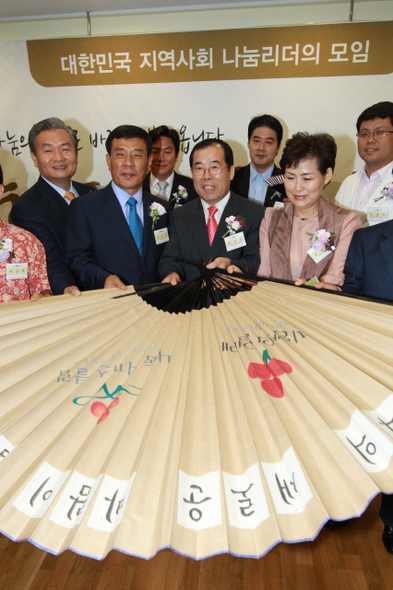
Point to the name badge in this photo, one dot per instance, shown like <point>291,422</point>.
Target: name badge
<point>17,270</point>
<point>161,236</point>
<point>377,215</point>
<point>236,241</point>
<point>318,255</point>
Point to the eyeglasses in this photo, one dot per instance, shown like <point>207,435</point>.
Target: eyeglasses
<point>213,170</point>
<point>379,133</point>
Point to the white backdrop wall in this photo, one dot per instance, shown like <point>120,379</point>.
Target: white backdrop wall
<point>329,104</point>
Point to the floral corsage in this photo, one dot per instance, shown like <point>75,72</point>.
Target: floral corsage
<point>179,196</point>
<point>234,224</point>
<point>322,240</point>
<point>386,192</point>
<point>156,211</point>
<point>6,249</point>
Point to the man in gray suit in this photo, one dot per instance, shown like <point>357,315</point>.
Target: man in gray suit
<point>219,226</point>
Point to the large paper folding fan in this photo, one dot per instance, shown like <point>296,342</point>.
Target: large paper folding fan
<point>227,429</point>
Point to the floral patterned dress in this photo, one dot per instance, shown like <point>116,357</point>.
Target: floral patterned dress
<point>18,246</point>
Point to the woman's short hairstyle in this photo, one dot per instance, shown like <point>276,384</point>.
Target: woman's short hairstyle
<point>303,146</point>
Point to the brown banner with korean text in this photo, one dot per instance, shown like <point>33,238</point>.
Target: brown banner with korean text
<point>312,78</point>
<point>350,49</point>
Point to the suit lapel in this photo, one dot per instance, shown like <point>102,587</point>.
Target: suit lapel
<point>245,180</point>
<point>111,208</point>
<point>174,188</point>
<point>53,200</point>
<point>271,196</point>
<point>148,231</point>
<point>175,184</point>
<point>147,226</point>
<point>197,226</point>
<point>146,183</point>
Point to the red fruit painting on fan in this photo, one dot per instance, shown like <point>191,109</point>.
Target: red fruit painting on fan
<point>269,373</point>
<point>101,411</point>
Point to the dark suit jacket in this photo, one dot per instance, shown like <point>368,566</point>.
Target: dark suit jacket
<point>369,266</point>
<point>188,237</point>
<point>241,183</point>
<point>179,179</point>
<point>43,212</point>
<point>99,241</point>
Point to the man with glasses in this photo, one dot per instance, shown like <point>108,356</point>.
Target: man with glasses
<point>220,226</point>
<point>369,190</point>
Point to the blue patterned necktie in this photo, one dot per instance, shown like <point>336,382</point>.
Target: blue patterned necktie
<point>135,223</point>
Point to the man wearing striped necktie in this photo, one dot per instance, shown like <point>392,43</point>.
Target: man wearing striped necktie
<point>163,180</point>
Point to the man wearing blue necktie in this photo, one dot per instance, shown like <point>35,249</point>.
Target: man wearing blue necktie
<point>113,237</point>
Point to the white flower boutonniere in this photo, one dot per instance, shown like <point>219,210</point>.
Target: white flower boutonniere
<point>234,224</point>
<point>386,192</point>
<point>156,211</point>
<point>179,196</point>
<point>6,247</point>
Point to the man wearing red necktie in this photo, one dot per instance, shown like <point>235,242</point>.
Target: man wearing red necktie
<point>219,226</point>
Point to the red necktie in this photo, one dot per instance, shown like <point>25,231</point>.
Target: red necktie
<point>211,224</point>
<point>70,196</point>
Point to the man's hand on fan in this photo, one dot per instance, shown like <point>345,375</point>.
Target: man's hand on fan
<point>113,281</point>
<point>173,278</point>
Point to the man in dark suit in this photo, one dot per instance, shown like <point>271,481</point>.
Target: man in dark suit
<point>43,209</point>
<point>220,225</point>
<point>369,271</point>
<point>113,236</point>
<point>369,265</point>
<point>261,180</point>
<point>163,180</point>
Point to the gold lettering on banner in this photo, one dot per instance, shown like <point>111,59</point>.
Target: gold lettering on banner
<point>350,49</point>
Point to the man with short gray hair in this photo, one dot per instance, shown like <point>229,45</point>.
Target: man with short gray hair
<point>43,209</point>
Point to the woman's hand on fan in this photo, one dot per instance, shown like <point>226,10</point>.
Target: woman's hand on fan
<point>36,296</point>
